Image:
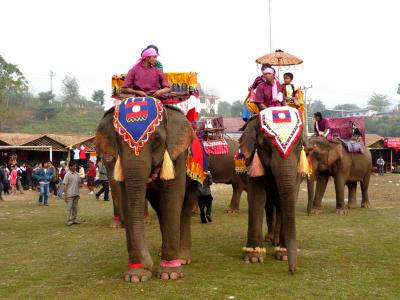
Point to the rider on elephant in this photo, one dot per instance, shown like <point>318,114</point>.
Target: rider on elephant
<point>320,125</point>
<point>269,93</point>
<point>144,79</point>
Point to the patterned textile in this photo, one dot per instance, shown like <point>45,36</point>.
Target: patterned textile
<point>135,119</point>
<point>182,83</point>
<point>196,164</point>
<point>352,146</point>
<point>215,147</point>
<point>283,124</point>
<point>240,163</point>
<point>346,127</point>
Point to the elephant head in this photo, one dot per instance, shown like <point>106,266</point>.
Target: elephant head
<point>280,176</point>
<point>174,134</point>
<point>325,156</point>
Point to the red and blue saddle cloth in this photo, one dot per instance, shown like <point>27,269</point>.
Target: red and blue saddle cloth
<point>240,163</point>
<point>283,125</point>
<point>135,119</point>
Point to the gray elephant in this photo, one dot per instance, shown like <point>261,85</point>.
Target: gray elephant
<point>280,185</point>
<point>331,159</point>
<point>171,198</point>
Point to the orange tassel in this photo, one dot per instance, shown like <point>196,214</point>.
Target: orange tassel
<point>118,171</point>
<point>256,167</point>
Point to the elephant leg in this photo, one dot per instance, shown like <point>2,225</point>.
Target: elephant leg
<point>171,203</point>
<point>185,252</point>
<point>352,202</point>
<point>322,182</point>
<point>279,238</point>
<point>364,190</point>
<point>118,221</point>
<point>270,215</point>
<point>140,262</point>
<point>146,212</point>
<point>254,251</point>
<point>339,189</point>
<point>235,201</point>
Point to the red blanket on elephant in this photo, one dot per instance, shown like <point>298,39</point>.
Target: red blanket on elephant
<point>345,127</point>
<point>196,164</point>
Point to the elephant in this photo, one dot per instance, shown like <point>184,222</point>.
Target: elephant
<point>171,199</point>
<point>279,185</point>
<point>330,158</point>
<point>222,169</point>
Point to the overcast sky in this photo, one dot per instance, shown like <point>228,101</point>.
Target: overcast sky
<point>350,48</point>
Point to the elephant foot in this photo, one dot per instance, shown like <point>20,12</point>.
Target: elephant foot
<point>281,254</point>
<point>254,255</point>
<point>137,274</point>
<point>170,269</point>
<point>116,223</point>
<point>269,238</point>
<point>316,211</point>
<point>352,205</point>
<point>231,210</point>
<point>366,205</point>
<point>342,211</point>
<point>185,256</point>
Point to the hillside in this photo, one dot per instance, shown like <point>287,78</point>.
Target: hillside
<point>82,121</point>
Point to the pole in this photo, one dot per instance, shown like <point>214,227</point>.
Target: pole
<point>51,153</point>
<point>270,26</point>
<point>391,160</point>
<point>51,74</point>
<point>305,88</point>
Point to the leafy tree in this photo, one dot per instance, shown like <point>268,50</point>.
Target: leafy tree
<point>237,108</point>
<point>346,106</point>
<point>224,108</point>
<point>98,97</point>
<point>316,105</point>
<point>70,90</point>
<point>379,102</point>
<point>12,82</point>
<point>46,97</point>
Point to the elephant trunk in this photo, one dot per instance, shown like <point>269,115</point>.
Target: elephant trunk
<point>134,208</point>
<point>310,191</point>
<point>287,191</point>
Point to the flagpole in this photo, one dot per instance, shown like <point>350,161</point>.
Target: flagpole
<point>270,26</point>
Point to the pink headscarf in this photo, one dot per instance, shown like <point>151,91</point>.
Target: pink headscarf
<point>275,86</point>
<point>147,53</point>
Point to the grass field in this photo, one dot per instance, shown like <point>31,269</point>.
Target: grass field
<point>356,256</point>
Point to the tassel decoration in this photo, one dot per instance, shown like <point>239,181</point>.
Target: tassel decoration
<point>304,167</point>
<point>118,171</point>
<point>167,168</point>
<point>256,167</point>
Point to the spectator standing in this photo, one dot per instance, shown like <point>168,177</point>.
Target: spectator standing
<point>19,176</point>
<point>71,193</point>
<point>91,175</point>
<point>205,198</point>
<point>13,179</point>
<point>61,173</point>
<point>103,181</point>
<point>43,176</point>
<point>54,179</point>
<point>2,181</point>
<point>82,156</point>
<point>29,174</point>
<point>81,175</point>
<point>381,165</point>
<point>6,183</point>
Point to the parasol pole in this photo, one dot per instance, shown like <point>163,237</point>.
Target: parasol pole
<point>270,26</point>
<point>305,132</point>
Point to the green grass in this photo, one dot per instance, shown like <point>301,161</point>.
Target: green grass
<point>71,121</point>
<point>356,256</point>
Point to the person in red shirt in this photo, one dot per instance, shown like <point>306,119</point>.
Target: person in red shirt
<point>269,93</point>
<point>91,175</point>
<point>144,79</point>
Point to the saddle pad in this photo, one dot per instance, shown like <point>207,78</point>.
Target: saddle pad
<point>135,119</point>
<point>196,164</point>
<point>283,125</point>
<point>215,147</point>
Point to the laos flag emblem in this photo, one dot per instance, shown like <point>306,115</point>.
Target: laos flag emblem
<point>281,116</point>
<point>136,110</point>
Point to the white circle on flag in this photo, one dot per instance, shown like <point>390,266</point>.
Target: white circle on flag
<point>136,108</point>
<point>281,115</point>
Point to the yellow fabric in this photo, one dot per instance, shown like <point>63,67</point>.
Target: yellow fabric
<point>251,106</point>
<point>300,99</point>
<point>189,78</point>
<point>304,167</point>
<point>240,166</point>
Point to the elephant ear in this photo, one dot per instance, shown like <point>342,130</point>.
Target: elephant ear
<point>248,140</point>
<point>335,154</point>
<point>179,132</point>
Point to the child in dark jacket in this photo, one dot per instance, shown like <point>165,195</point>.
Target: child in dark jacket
<point>205,198</point>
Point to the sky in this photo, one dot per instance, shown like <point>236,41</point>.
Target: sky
<point>350,48</point>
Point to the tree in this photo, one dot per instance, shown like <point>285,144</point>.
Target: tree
<point>70,90</point>
<point>224,108</point>
<point>98,97</point>
<point>379,102</point>
<point>316,105</point>
<point>46,97</point>
<point>346,106</point>
<point>12,82</point>
<point>237,108</point>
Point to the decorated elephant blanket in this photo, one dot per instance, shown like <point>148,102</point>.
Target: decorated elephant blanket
<point>218,147</point>
<point>283,125</point>
<point>240,163</point>
<point>135,119</point>
<point>196,163</point>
